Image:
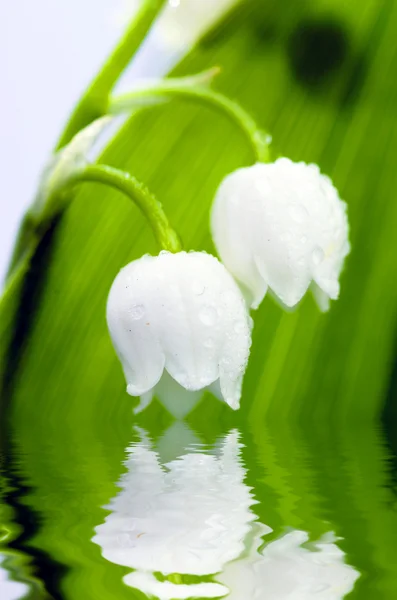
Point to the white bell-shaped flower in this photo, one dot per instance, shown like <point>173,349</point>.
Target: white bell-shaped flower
<point>183,313</point>
<point>281,226</point>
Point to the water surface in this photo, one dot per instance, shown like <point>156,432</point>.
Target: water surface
<point>203,508</point>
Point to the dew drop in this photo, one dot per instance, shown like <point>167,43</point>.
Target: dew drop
<point>239,327</point>
<point>136,311</point>
<point>298,213</point>
<point>304,239</point>
<point>317,255</point>
<point>263,136</point>
<point>208,315</point>
<point>229,296</point>
<point>285,236</point>
<point>209,343</point>
<point>198,288</point>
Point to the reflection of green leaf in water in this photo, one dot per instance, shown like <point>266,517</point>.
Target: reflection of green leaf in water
<point>285,484</point>
<point>18,575</point>
<point>350,467</point>
<point>69,409</point>
<point>321,478</point>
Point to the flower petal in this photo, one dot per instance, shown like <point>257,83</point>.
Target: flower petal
<point>130,327</point>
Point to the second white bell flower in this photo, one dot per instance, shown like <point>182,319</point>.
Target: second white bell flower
<point>281,226</point>
<point>182,313</point>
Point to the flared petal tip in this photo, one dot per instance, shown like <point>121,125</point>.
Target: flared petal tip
<point>137,390</point>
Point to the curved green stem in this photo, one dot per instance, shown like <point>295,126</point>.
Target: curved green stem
<point>166,236</point>
<point>94,102</point>
<point>183,88</point>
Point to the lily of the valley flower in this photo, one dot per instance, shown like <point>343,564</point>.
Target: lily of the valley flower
<point>182,313</point>
<point>281,226</point>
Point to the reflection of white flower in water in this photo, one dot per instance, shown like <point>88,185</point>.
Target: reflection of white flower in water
<point>189,516</point>
<point>284,570</point>
<point>9,589</point>
<point>192,516</point>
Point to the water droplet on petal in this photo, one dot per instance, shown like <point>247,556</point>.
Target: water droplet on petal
<point>298,213</point>
<point>198,288</point>
<point>317,255</point>
<point>208,315</point>
<point>285,236</point>
<point>229,296</point>
<point>239,326</point>
<point>136,311</point>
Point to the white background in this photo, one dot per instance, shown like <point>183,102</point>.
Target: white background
<point>49,50</point>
